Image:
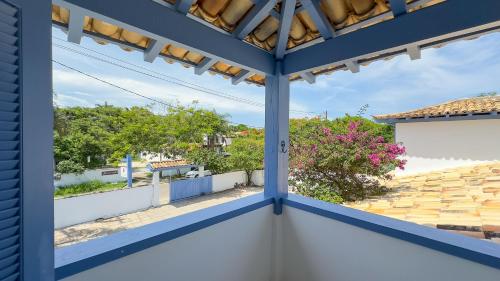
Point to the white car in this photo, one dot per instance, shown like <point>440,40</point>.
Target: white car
<point>196,174</point>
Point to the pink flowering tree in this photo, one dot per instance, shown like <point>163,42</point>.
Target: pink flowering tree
<point>348,164</point>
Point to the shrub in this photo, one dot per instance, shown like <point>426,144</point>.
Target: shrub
<point>349,164</point>
<point>209,158</point>
<point>320,192</point>
<point>68,166</point>
<point>247,154</point>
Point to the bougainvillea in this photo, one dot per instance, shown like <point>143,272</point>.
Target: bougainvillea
<point>350,164</point>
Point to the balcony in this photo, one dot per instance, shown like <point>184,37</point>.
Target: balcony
<point>270,236</point>
<point>294,238</point>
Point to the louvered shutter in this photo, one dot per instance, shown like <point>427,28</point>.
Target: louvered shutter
<point>10,175</point>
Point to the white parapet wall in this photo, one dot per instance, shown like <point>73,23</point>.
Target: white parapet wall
<point>238,249</point>
<point>89,207</point>
<point>227,181</point>
<point>322,249</point>
<point>258,177</point>
<point>84,208</point>
<point>104,175</point>
<point>438,145</point>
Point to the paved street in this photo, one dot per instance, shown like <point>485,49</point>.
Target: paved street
<point>91,230</point>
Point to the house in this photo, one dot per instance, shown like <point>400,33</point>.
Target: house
<point>170,167</point>
<point>452,134</point>
<point>217,142</point>
<point>270,236</point>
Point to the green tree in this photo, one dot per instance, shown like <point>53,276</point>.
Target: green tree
<point>93,137</point>
<point>210,159</point>
<point>247,154</point>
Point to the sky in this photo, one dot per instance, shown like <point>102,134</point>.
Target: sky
<point>457,70</point>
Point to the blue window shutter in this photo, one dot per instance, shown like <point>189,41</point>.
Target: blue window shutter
<point>9,144</point>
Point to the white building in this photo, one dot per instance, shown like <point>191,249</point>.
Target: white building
<point>456,133</point>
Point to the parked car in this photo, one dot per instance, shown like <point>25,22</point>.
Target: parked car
<point>196,174</point>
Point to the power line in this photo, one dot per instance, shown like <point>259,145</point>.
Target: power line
<point>160,78</point>
<point>182,83</point>
<point>130,91</point>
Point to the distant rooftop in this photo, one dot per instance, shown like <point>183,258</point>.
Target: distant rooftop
<point>168,164</point>
<point>478,106</point>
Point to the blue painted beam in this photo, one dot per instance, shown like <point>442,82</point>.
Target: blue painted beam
<point>286,17</point>
<point>153,50</point>
<point>276,136</point>
<point>319,18</point>
<point>398,7</point>
<point>256,15</point>
<point>164,23</point>
<point>244,74</point>
<point>182,6</point>
<point>83,256</point>
<point>204,65</point>
<point>453,244</point>
<point>432,25</point>
<point>309,77</point>
<point>75,26</point>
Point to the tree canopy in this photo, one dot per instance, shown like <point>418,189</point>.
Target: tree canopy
<point>247,154</point>
<point>93,137</point>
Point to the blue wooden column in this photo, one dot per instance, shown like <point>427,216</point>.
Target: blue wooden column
<point>276,136</point>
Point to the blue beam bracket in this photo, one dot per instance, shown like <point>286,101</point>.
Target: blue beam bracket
<point>278,205</point>
<point>204,65</point>
<point>308,76</point>
<point>353,66</point>
<point>75,25</point>
<point>414,52</point>
<point>153,50</point>
<point>398,7</point>
<point>240,77</point>
<point>183,6</point>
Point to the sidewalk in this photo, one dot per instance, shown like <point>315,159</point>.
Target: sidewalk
<point>91,230</point>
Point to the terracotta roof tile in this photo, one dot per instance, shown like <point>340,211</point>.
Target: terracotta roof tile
<point>456,107</point>
<point>463,198</point>
<point>344,16</point>
<point>168,164</point>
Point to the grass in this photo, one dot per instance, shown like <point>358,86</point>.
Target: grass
<point>87,187</point>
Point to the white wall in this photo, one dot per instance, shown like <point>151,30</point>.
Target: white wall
<point>84,208</point>
<point>238,249</point>
<point>89,175</point>
<point>228,180</point>
<point>446,144</point>
<point>258,177</point>
<point>321,249</point>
